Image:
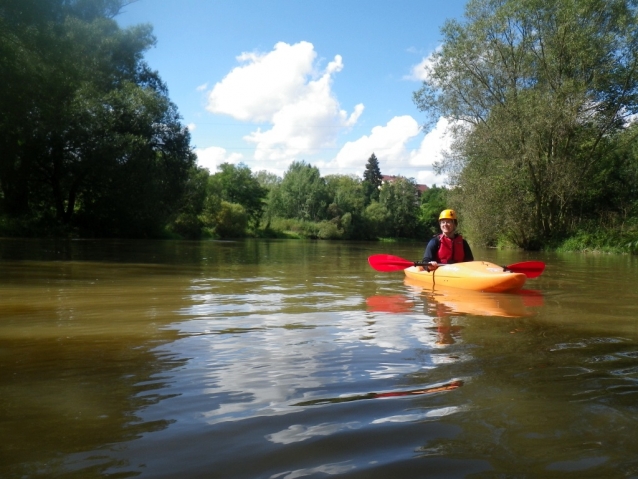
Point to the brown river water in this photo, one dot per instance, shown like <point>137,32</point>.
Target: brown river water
<point>295,359</point>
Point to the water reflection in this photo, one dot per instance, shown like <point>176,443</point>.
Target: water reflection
<point>261,359</point>
<point>385,395</point>
<point>442,302</point>
<point>79,361</point>
<point>450,301</point>
<point>324,470</point>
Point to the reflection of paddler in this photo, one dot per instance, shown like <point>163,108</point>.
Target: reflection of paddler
<point>460,301</point>
<point>444,330</point>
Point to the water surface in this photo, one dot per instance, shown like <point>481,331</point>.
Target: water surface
<point>290,359</point>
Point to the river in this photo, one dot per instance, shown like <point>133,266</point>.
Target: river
<point>295,359</point>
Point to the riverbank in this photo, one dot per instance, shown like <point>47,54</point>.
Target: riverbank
<point>606,241</point>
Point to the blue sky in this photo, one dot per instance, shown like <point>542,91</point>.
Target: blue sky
<point>329,82</point>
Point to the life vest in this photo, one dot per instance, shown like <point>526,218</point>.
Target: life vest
<point>451,249</point>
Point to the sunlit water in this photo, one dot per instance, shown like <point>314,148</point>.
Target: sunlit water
<point>291,359</point>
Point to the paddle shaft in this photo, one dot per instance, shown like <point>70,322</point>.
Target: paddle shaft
<point>388,263</point>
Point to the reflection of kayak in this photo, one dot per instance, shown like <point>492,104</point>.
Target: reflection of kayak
<point>446,301</point>
<point>473,275</point>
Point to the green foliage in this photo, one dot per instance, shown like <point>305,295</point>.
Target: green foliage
<point>377,220</point>
<point>342,204</point>
<point>231,220</point>
<point>347,199</point>
<point>189,221</point>
<point>537,130</point>
<point>433,201</point>
<point>400,200</point>
<point>346,194</point>
<point>267,180</point>
<point>372,180</point>
<point>600,240</point>
<point>302,194</point>
<point>329,230</point>
<point>236,184</point>
<point>90,141</point>
<point>294,228</point>
<point>126,184</point>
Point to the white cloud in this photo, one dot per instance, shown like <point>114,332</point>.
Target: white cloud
<point>387,142</point>
<point>202,87</point>
<point>283,89</point>
<point>214,156</point>
<point>264,83</point>
<point>191,126</point>
<point>419,71</point>
<point>390,145</point>
<point>431,150</point>
<point>287,92</point>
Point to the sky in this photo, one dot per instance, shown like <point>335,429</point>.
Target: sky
<point>328,82</point>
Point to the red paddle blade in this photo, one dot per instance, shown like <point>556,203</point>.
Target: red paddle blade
<point>390,304</point>
<point>531,269</point>
<point>532,298</point>
<point>387,262</point>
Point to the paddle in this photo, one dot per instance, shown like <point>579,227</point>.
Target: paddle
<point>387,263</point>
<point>531,269</point>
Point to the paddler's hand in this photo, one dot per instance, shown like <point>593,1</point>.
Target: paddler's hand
<point>432,266</point>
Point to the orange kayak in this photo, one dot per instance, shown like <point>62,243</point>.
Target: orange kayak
<point>474,275</point>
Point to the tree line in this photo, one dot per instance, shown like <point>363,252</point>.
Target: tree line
<point>235,202</point>
<point>90,143</point>
<point>541,96</point>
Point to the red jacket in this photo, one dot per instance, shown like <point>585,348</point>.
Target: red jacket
<point>451,249</point>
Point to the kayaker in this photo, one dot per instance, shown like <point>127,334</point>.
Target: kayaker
<point>448,247</point>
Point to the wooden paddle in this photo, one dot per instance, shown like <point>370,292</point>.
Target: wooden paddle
<point>387,263</point>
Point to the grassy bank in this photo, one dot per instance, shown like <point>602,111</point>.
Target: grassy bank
<point>600,242</point>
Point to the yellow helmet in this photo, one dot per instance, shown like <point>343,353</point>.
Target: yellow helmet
<point>447,215</point>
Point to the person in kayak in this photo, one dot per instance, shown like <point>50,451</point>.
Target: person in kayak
<point>448,247</point>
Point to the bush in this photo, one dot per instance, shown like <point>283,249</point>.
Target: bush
<point>376,220</point>
<point>329,230</point>
<point>186,225</point>
<point>231,220</point>
<point>601,241</point>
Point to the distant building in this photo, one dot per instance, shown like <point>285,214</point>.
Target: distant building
<point>389,179</point>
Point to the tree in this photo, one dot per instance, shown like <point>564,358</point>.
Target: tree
<point>190,219</point>
<point>537,92</point>
<point>433,201</point>
<point>270,182</point>
<point>346,204</point>
<point>377,218</point>
<point>127,181</point>
<point>302,194</point>
<point>346,194</point>
<point>372,179</point>
<point>90,139</point>
<point>399,198</point>
<point>236,184</point>
<point>267,179</point>
<point>231,220</point>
